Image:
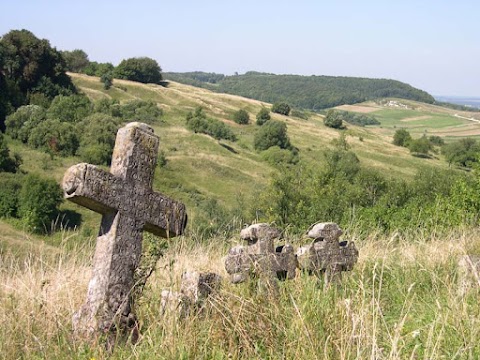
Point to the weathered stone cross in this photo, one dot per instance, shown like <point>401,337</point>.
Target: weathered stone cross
<point>129,205</point>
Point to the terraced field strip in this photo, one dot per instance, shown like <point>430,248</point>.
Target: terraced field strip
<point>358,108</point>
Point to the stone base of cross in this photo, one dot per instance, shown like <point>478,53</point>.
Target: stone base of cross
<point>128,205</point>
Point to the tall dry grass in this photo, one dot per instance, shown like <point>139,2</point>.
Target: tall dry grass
<point>400,302</point>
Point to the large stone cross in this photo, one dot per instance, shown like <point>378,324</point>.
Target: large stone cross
<point>129,205</point>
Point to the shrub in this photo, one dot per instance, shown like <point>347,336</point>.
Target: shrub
<point>72,108</point>
<point>263,116</point>
<point>199,123</point>
<point>138,110</point>
<point>276,156</point>
<point>107,80</point>
<point>299,114</point>
<point>98,133</point>
<point>436,140</point>
<point>273,133</point>
<point>23,121</point>
<point>333,120</point>
<point>143,69</point>
<point>10,185</point>
<point>463,152</point>
<point>39,199</point>
<point>55,137</point>
<point>420,146</point>
<point>7,163</point>
<point>281,108</point>
<point>402,138</point>
<point>241,117</point>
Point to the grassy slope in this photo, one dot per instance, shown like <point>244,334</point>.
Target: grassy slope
<point>400,301</point>
<point>200,167</point>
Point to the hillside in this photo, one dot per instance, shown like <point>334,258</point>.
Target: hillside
<point>200,167</point>
<point>382,309</point>
<point>306,92</point>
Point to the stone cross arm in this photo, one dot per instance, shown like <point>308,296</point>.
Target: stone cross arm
<point>89,186</point>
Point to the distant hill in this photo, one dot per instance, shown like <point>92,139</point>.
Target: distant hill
<point>307,92</point>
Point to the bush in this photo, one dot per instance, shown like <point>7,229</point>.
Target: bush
<point>436,140</point>
<point>138,110</point>
<point>199,123</point>
<point>299,114</point>
<point>98,134</point>
<point>463,152</point>
<point>55,137</point>
<point>402,138</point>
<point>10,185</point>
<point>276,156</point>
<point>263,116</point>
<point>333,120</point>
<point>39,199</point>
<point>273,133</point>
<point>420,146</point>
<point>357,119</point>
<point>107,80</point>
<point>7,163</point>
<point>24,120</point>
<point>281,108</point>
<point>143,69</point>
<point>241,117</point>
<point>72,108</point>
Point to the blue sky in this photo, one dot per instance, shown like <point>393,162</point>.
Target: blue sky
<point>433,45</point>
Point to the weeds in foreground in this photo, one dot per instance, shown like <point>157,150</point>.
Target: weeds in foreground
<point>400,302</point>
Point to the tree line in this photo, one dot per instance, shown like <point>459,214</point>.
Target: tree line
<point>308,92</point>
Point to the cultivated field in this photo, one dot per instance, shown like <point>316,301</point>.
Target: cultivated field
<point>419,119</point>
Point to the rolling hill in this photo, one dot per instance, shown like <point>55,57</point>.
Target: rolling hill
<point>382,308</point>
<point>306,92</point>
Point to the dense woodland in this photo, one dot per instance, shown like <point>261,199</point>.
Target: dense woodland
<point>307,92</point>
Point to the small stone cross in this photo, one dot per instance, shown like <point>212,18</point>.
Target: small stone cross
<point>260,257</point>
<point>128,206</point>
<point>326,255</point>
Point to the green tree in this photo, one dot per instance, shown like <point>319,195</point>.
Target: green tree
<point>31,65</point>
<point>263,116</point>
<point>198,122</point>
<point>464,152</point>
<point>98,69</point>
<point>107,80</point>
<point>281,108</point>
<point>402,138</point>
<point>7,163</point>
<point>55,137</point>
<point>10,185</point>
<point>98,132</point>
<point>420,146</point>
<point>142,69</point>
<point>21,123</point>
<point>241,117</point>
<point>333,119</point>
<point>76,60</point>
<point>272,133</point>
<point>72,108</point>
<point>39,199</point>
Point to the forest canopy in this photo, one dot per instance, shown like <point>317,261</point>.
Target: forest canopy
<point>307,92</point>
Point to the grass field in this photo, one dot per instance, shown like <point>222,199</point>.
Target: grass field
<point>420,119</point>
<point>402,301</point>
